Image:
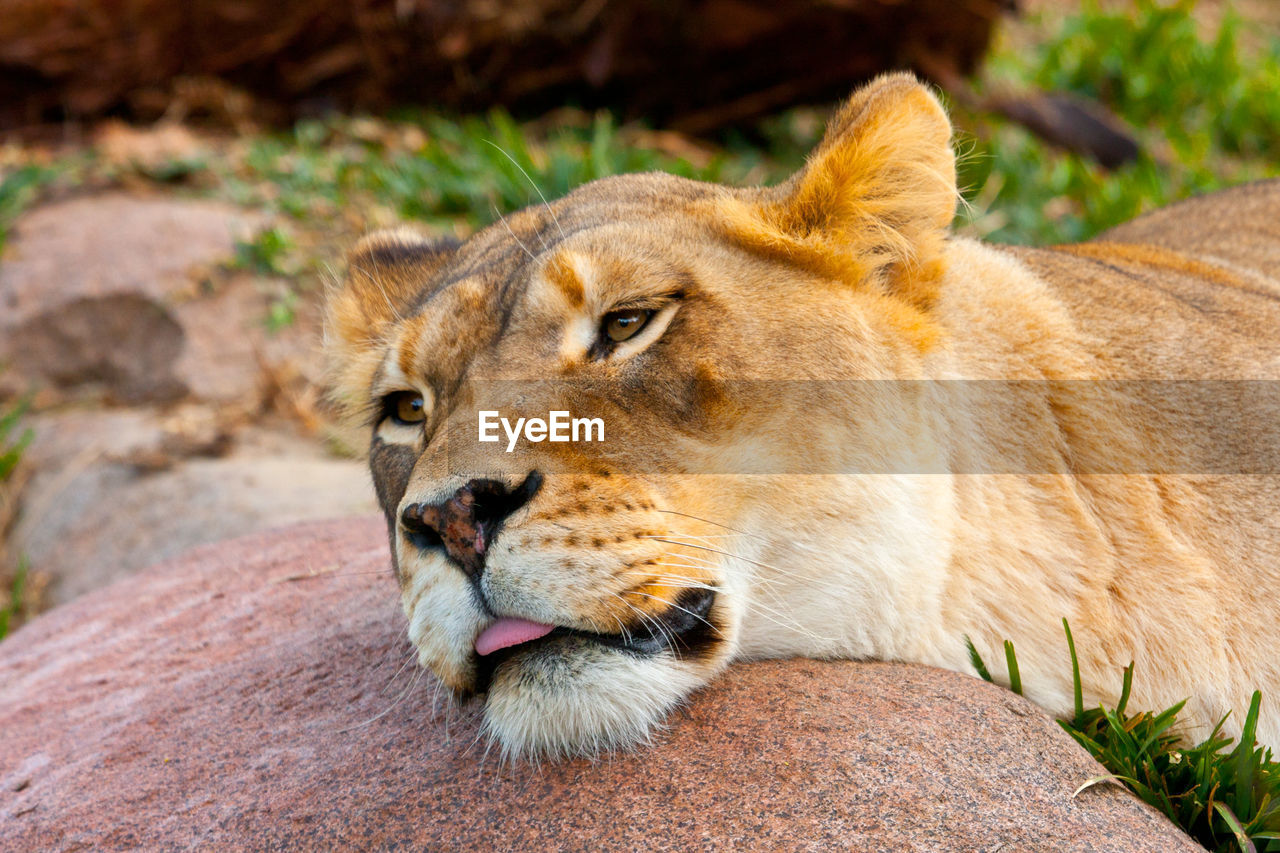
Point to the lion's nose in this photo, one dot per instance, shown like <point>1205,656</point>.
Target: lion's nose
<point>466,524</point>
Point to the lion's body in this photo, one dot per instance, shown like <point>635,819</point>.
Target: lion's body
<point>836,433</point>
<point>1178,571</point>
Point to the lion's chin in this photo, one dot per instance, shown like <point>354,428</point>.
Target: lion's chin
<point>574,698</point>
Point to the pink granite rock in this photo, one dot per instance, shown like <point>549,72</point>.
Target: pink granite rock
<point>91,290</point>
<point>260,694</point>
<point>104,293</point>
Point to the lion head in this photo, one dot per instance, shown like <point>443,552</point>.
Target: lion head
<point>585,588</point>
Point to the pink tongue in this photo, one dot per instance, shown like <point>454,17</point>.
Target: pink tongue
<point>509,632</point>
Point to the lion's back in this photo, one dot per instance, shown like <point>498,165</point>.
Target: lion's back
<point>1239,226</point>
<point>1189,291</point>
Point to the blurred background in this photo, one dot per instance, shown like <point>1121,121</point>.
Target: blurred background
<point>178,182</point>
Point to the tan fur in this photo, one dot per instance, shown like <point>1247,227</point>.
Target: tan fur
<point>787,432</point>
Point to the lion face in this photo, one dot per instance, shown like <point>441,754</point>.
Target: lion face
<point>585,587</point>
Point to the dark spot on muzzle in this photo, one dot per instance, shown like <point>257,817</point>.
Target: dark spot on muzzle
<point>466,524</point>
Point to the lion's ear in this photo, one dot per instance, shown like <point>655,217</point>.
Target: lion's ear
<point>388,272</point>
<point>874,200</point>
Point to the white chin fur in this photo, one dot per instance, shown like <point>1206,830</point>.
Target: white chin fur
<point>575,698</point>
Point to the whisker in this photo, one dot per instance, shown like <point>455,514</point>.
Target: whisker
<point>410,658</point>
<point>768,582</point>
<point>776,569</point>
<point>622,627</point>
<point>684,583</point>
<point>784,621</point>
<point>725,553</point>
<point>709,521</point>
<point>531,183</point>
<point>681,609</point>
<point>503,220</point>
<point>695,581</point>
<point>734,529</point>
<point>417,677</point>
<point>765,584</point>
<point>655,624</point>
<point>696,535</point>
<point>706,562</point>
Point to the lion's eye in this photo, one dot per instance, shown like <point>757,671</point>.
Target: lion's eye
<point>405,408</point>
<point>619,326</point>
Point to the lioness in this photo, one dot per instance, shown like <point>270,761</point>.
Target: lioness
<point>814,441</point>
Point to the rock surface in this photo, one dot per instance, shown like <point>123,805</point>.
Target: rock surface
<point>90,290</point>
<point>260,694</point>
<point>108,299</point>
<point>117,490</point>
<point>104,292</point>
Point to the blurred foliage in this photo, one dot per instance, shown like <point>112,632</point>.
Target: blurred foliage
<point>1203,105</point>
<point>439,170</point>
<point>265,253</point>
<point>12,600</point>
<point>13,441</point>
<point>18,188</point>
<point>1205,108</point>
<point>1201,99</point>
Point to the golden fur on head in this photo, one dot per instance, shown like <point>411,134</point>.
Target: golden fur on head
<point>790,466</point>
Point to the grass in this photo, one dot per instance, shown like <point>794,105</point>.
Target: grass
<point>12,445</point>
<point>440,170</point>
<point>265,253</point>
<point>1199,99</point>
<point>13,605</point>
<point>1226,799</point>
<point>19,187</point>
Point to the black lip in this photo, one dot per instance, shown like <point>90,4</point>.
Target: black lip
<point>686,629</point>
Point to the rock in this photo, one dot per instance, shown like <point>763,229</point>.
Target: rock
<point>100,302</point>
<point>105,245</point>
<point>123,342</point>
<point>261,694</point>
<point>114,491</point>
<point>99,291</point>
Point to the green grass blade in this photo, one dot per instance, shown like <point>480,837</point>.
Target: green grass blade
<point>1246,846</point>
<point>976,660</point>
<point>11,451</point>
<point>1075,671</point>
<point>1246,757</point>
<point>1121,734</point>
<point>15,598</point>
<point>1160,724</point>
<point>1011,659</point>
<point>1268,809</point>
<point>1125,688</point>
<point>1094,748</point>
